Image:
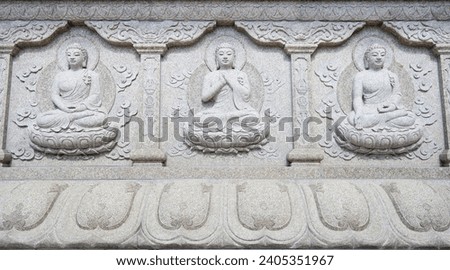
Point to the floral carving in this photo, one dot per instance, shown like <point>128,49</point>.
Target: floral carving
<point>29,77</point>
<point>419,207</point>
<point>120,152</point>
<point>185,206</point>
<point>282,33</point>
<point>341,206</point>
<point>145,32</point>
<point>124,76</point>
<point>106,206</point>
<point>265,206</point>
<point>14,32</point>
<point>28,205</point>
<point>422,32</point>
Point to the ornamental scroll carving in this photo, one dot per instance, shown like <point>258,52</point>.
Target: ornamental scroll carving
<point>430,33</point>
<point>25,31</point>
<point>142,32</point>
<point>281,33</point>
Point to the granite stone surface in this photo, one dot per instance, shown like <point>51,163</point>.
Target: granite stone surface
<point>224,124</point>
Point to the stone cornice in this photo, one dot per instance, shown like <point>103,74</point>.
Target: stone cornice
<point>232,10</point>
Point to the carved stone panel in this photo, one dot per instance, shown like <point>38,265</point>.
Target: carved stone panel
<point>363,122</point>
<point>217,124</point>
<point>67,112</point>
<point>235,121</point>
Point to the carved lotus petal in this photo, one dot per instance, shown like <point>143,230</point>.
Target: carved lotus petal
<point>106,206</point>
<point>419,207</point>
<point>264,206</point>
<point>27,206</point>
<point>341,206</point>
<point>184,205</point>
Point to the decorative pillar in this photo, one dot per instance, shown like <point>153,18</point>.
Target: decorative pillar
<point>149,150</point>
<point>6,52</point>
<point>305,151</point>
<point>443,53</point>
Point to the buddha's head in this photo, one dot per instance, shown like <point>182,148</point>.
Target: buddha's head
<point>374,57</point>
<point>225,56</point>
<point>76,56</point>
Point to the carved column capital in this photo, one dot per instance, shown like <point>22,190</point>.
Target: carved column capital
<point>143,49</point>
<point>300,48</point>
<point>441,49</point>
<point>8,49</point>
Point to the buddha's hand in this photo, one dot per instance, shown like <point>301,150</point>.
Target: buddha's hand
<point>358,122</point>
<point>221,79</point>
<point>386,107</point>
<point>76,108</point>
<point>229,77</point>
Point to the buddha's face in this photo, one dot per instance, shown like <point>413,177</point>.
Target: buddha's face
<point>375,58</point>
<point>75,57</point>
<point>225,57</point>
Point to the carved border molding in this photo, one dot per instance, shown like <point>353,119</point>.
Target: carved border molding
<point>231,214</point>
<point>232,10</point>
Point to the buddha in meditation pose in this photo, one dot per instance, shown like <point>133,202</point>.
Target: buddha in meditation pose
<point>76,95</point>
<point>376,95</point>
<point>378,124</point>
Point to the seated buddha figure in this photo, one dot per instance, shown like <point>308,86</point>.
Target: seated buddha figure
<point>76,96</point>
<point>230,124</point>
<point>378,119</point>
<point>78,112</point>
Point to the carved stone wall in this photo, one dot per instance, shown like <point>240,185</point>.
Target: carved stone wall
<point>282,124</point>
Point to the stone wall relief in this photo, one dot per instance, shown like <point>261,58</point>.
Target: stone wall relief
<point>70,104</point>
<point>227,99</point>
<point>265,213</point>
<point>379,124</point>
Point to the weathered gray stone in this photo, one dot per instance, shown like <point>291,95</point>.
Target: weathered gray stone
<point>278,124</point>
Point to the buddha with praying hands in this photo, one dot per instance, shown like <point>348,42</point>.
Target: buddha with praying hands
<point>230,124</point>
<point>378,123</point>
<point>75,126</point>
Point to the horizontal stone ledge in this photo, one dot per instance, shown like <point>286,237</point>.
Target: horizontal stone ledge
<point>224,12</point>
<point>238,172</point>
